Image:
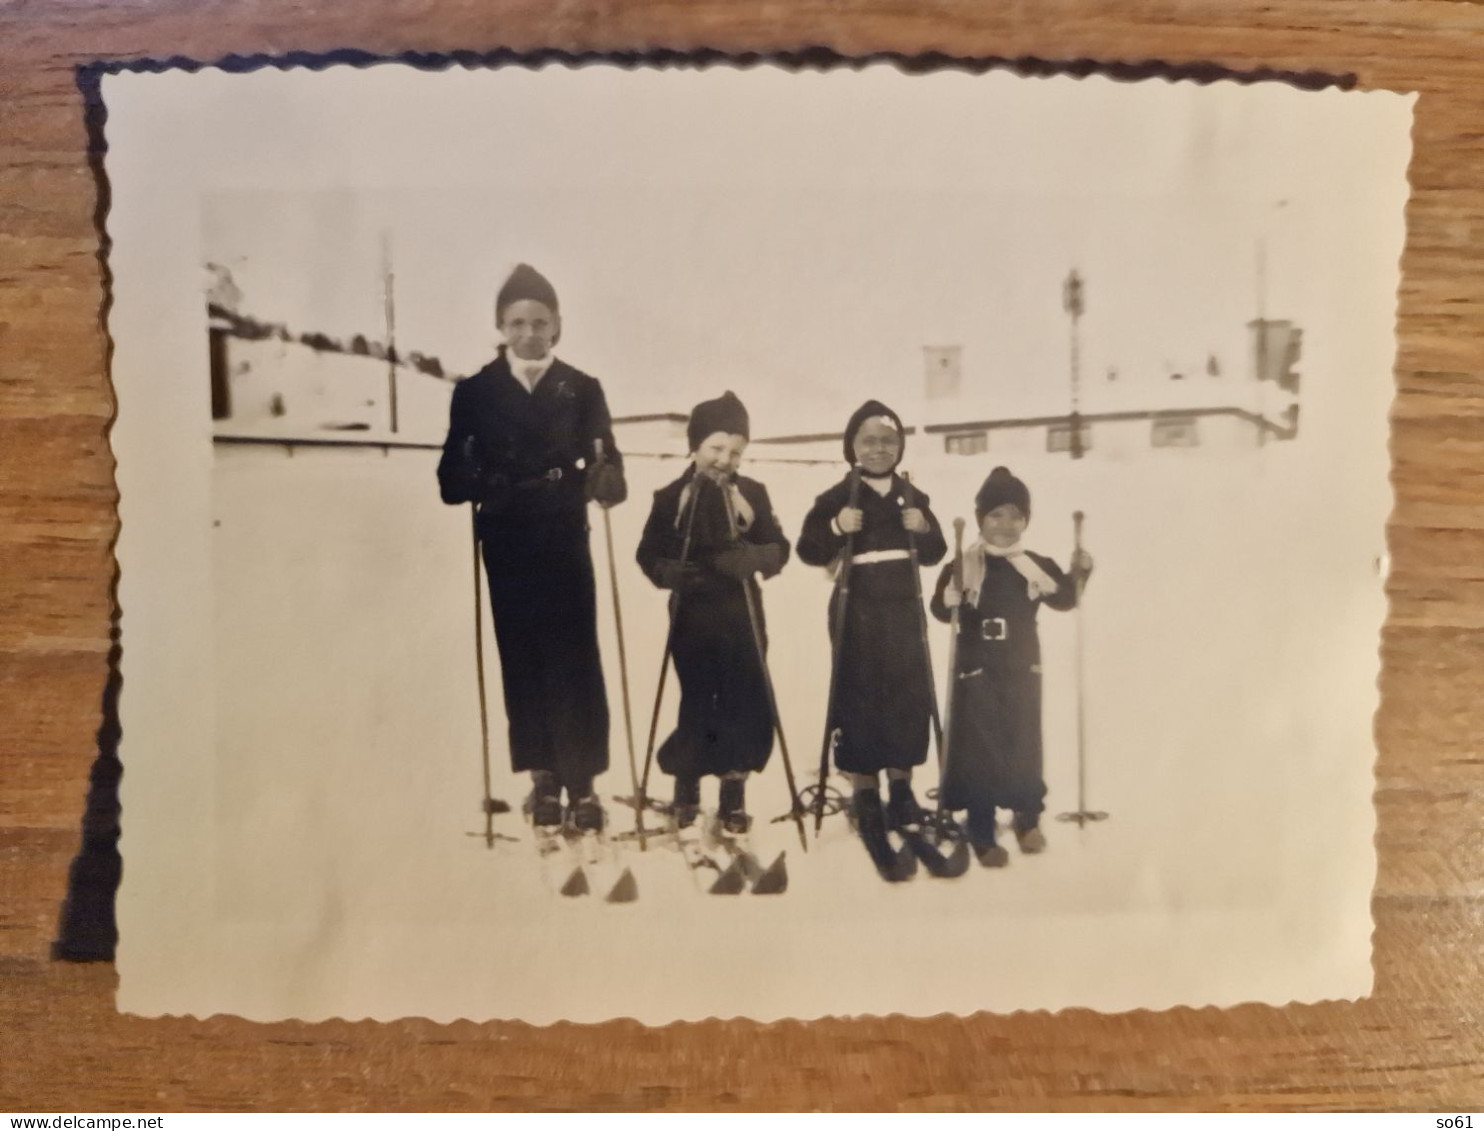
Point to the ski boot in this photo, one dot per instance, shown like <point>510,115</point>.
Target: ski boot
<point>544,805</point>
<point>991,855</point>
<point>586,814</point>
<point>982,840</point>
<point>902,810</point>
<point>870,822</point>
<point>731,812</point>
<point>981,837</point>
<point>927,834</point>
<point>1028,835</point>
<point>687,804</point>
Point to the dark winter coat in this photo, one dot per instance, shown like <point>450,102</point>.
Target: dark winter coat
<point>524,455</point>
<point>994,744</point>
<point>883,693</point>
<point>522,458</point>
<point>726,721</point>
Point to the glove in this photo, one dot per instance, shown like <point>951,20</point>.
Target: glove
<point>952,598</point>
<point>459,485</point>
<point>913,520</point>
<point>458,475</point>
<point>605,484</point>
<point>742,561</point>
<point>670,573</point>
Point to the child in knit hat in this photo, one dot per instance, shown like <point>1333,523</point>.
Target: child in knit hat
<point>530,444</point>
<point>995,741</point>
<point>709,532</point>
<point>882,693</point>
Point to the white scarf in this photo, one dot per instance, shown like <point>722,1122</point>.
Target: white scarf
<point>530,372</point>
<point>740,506</point>
<point>1038,582</point>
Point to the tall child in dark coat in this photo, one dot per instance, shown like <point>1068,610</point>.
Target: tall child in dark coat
<point>882,694</point>
<point>995,740</point>
<point>689,547</point>
<point>530,443</point>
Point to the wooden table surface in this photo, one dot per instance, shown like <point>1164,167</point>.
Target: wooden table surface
<point>1418,1043</point>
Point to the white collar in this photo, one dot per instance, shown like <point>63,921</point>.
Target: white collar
<point>529,373</point>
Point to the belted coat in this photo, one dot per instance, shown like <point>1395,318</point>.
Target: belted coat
<point>995,749</point>
<point>522,457</point>
<point>882,695</point>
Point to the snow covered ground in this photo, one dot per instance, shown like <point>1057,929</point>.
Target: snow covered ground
<point>347,760</point>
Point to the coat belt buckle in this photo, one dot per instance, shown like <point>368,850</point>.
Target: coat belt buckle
<point>552,475</point>
<point>994,628</point>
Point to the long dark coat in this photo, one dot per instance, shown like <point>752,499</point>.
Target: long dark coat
<point>726,722</point>
<point>521,456</point>
<point>994,744</point>
<point>883,695</point>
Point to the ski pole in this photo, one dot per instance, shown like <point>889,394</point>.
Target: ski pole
<point>762,658</point>
<point>922,624</point>
<point>623,662</point>
<point>484,711</point>
<point>1081,718</point>
<point>838,601</point>
<point>953,619</point>
<point>1083,815</point>
<point>654,719</point>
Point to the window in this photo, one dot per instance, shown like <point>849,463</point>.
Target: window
<point>1059,438</point>
<point>1175,432</point>
<point>221,389</point>
<point>966,443</point>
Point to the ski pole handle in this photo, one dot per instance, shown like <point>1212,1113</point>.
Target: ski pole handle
<point>909,499</point>
<point>853,502</point>
<point>1079,577</point>
<point>958,553</point>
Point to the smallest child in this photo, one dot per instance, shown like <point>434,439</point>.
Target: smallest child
<point>994,745</point>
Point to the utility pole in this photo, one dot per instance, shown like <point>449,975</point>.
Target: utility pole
<point>1072,303</point>
<point>388,282</point>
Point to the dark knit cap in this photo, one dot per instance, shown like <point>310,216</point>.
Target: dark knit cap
<point>724,414</point>
<point>525,282</point>
<point>1000,488</point>
<point>863,414</point>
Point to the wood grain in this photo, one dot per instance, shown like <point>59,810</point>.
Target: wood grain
<point>1418,1043</point>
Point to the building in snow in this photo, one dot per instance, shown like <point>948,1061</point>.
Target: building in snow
<point>271,382</point>
<point>1199,408</point>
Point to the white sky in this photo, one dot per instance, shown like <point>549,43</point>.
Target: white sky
<point>798,238</point>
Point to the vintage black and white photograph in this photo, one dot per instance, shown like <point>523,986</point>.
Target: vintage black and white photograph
<point>673,542</point>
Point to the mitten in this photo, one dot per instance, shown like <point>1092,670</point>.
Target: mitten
<point>458,475</point>
<point>605,484</point>
<point>849,520</point>
<point>670,573</point>
<point>914,520</point>
<point>768,558</point>
<point>460,484</point>
<point>741,562</point>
